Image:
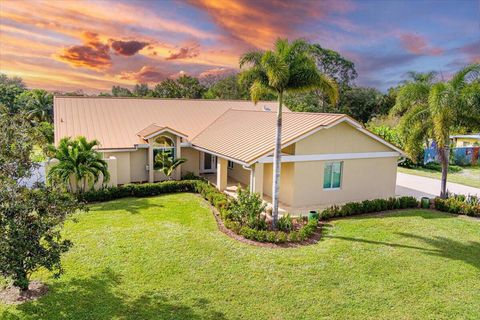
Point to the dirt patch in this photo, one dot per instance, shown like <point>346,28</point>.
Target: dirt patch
<point>13,295</point>
<point>312,240</point>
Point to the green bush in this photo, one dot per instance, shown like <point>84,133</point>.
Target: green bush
<point>368,206</point>
<point>285,223</point>
<point>247,209</point>
<point>469,206</point>
<point>281,237</point>
<point>435,166</point>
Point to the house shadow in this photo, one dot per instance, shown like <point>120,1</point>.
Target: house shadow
<point>402,213</point>
<point>96,298</point>
<point>437,246</point>
<point>134,205</point>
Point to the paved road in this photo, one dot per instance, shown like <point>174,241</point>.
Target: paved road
<point>411,185</point>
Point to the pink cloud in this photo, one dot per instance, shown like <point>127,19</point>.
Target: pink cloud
<point>419,45</point>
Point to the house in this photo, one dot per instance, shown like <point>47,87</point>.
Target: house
<point>466,140</point>
<point>326,158</point>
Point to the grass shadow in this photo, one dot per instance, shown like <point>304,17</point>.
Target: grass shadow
<point>98,298</point>
<point>402,213</point>
<point>131,205</point>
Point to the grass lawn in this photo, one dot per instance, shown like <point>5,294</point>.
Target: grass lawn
<point>164,258</point>
<point>469,176</point>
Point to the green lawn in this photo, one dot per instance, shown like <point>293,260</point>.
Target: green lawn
<point>469,176</point>
<point>164,258</point>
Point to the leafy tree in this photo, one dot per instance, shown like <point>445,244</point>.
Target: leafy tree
<point>79,166</point>
<point>184,87</point>
<point>37,105</point>
<point>167,164</point>
<point>333,64</point>
<point>431,109</point>
<point>30,219</point>
<point>118,91</point>
<point>227,88</point>
<point>10,88</point>
<point>168,88</point>
<point>288,68</point>
<point>363,103</point>
<point>141,90</point>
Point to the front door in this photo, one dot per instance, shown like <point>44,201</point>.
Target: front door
<point>208,163</point>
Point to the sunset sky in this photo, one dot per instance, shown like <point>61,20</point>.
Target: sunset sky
<point>92,45</point>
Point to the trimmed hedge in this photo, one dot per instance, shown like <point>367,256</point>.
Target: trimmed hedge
<point>368,206</point>
<point>459,205</point>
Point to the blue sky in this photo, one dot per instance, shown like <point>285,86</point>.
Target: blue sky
<point>92,45</point>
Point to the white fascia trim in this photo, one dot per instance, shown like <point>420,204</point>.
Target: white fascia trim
<point>118,150</point>
<point>176,133</point>
<point>185,144</point>
<point>219,155</point>
<point>332,156</point>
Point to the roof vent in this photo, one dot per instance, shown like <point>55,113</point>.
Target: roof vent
<point>265,108</point>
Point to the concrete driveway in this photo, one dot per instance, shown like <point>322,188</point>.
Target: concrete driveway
<point>411,185</point>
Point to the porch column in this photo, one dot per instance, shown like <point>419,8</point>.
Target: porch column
<point>150,164</point>
<point>257,177</point>
<point>178,154</point>
<point>222,173</point>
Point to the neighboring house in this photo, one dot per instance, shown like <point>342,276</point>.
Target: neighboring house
<point>466,140</point>
<point>327,158</point>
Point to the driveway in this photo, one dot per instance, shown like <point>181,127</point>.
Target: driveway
<point>411,185</point>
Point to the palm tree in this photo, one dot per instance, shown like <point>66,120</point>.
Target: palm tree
<point>37,104</point>
<point>167,164</point>
<point>429,109</point>
<point>79,166</point>
<point>290,67</point>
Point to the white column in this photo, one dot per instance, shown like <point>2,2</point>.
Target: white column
<point>178,154</point>
<point>257,174</point>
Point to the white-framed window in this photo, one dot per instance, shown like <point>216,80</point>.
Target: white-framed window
<point>230,164</point>
<point>332,175</point>
<point>163,144</point>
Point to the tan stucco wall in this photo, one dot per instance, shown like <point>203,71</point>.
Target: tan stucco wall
<point>240,174</point>
<point>287,183</point>
<point>469,141</point>
<point>193,161</point>
<point>361,179</point>
<point>342,138</point>
<point>138,164</point>
<point>123,166</point>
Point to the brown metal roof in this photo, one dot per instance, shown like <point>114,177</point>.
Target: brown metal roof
<point>116,122</point>
<point>247,135</point>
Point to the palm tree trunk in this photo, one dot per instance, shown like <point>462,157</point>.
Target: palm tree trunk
<point>277,162</point>
<point>444,158</point>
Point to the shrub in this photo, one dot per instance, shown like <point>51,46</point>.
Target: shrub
<point>281,237</point>
<point>271,236</point>
<point>285,223</point>
<point>307,230</point>
<point>435,166</point>
<point>248,208</point>
<point>459,205</point>
<point>293,236</point>
<point>368,206</point>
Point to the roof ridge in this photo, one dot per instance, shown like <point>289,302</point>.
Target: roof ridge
<point>155,98</point>
<point>293,112</point>
<point>211,123</point>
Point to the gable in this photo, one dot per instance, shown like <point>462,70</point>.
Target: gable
<point>341,138</point>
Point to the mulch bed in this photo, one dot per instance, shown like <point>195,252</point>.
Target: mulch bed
<point>312,240</point>
<point>13,295</point>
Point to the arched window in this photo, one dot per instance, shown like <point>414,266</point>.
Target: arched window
<point>163,144</point>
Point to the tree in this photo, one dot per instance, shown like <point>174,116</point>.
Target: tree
<point>190,87</point>
<point>118,91</point>
<point>141,90</point>
<point>37,105</point>
<point>288,68</point>
<point>167,164</point>
<point>431,109</point>
<point>168,88</point>
<point>79,166</point>
<point>335,66</point>
<point>10,88</point>
<point>363,103</point>
<point>227,88</point>
<point>30,219</point>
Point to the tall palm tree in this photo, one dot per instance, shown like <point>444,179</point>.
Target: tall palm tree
<point>80,165</point>
<point>429,109</point>
<point>289,67</point>
<point>37,105</point>
<point>167,164</point>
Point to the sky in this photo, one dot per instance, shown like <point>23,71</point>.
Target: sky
<point>92,45</point>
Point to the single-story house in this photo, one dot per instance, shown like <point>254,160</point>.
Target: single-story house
<point>466,140</point>
<point>326,158</point>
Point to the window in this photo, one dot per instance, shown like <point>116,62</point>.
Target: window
<point>230,164</point>
<point>332,175</point>
<point>163,144</point>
